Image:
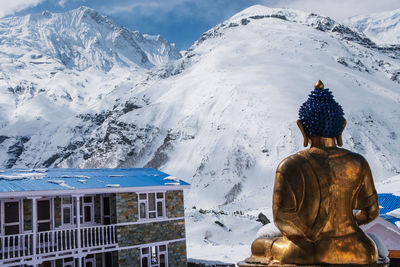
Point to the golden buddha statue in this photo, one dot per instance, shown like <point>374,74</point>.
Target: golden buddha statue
<point>321,196</point>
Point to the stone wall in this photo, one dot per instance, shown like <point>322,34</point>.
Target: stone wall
<point>177,254</point>
<point>129,257</point>
<point>139,234</point>
<point>174,204</point>
<point>127,207</point>
<point>151,232</point>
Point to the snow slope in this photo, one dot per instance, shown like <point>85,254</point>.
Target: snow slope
<point>222,117</point>
<point>382,28</point>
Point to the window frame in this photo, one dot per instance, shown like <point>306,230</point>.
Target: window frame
<point>20,222</point>
<point>103,216</point>
<point>147,210</point>
<point>148,254</point>
<point>82,213</point>
<point>50,221</point>
<point>71,211</point>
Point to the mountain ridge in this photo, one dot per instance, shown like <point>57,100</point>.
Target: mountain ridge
<point>382,27</point>
<point>82,38</point>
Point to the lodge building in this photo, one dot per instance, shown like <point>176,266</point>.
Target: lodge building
<point>91,217</point>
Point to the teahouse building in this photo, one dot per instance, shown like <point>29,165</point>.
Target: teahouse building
<point>91,217</point>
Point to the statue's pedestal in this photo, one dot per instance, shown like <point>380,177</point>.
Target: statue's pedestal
<point>378,264</point>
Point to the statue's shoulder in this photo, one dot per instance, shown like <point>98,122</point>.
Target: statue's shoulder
<point>353,155</point>
<point>291,163</point>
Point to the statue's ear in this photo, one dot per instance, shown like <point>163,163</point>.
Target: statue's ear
<point>339,139</point>
<point>305,137</point>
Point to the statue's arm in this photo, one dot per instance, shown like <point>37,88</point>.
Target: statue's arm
<point>367,199</point>
<point>285,210</point>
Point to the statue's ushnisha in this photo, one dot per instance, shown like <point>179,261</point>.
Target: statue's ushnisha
<point>321,196</point>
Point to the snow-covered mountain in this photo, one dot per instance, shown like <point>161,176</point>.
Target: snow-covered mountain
<point>383,28</point>
<point>221,117</point>
<point>83,38</point>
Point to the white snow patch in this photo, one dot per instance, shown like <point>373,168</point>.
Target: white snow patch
<point>395,213</point>
<point>172,178</point>
<point>382,249</point>
<point>61,183</point>
<point>82,181</point>
<point>172,183</point>
<point>269,230</point>
<point>75,176</point>
<point>113,185</point>
<point>389,185</point>
<point>20,176</point>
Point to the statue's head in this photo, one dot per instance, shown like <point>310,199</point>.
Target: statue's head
<point>321,116</point>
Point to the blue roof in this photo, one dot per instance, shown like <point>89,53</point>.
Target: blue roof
<point>388,202</point>
<point>17,180</point>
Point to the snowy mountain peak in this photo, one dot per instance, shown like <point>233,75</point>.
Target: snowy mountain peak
<point>82,38</point>
<point>284,16</point>
<point>383,27</point>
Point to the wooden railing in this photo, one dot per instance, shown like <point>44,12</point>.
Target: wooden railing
<point>20,246</point>
<point>16,246</point>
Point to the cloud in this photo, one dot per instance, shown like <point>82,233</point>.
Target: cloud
<point>10,7</point>
<point>337,10</point>
<point>62,3</point>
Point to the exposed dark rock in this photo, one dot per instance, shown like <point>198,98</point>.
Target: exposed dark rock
<point>233,193</point>
<point>3,138</point>
<point>97,118</point>
<point>263,219</point>
<point>16,150</point>
<point>48,162</point>
<point>245,21</point>
<point>161,156</point>
<point>277,16</point>
<point>219,223</point>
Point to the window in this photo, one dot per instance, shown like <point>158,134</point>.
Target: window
<point>68,262</point>
<point>107,259</point>
<point>87,210</point>
<point>11,218</point>
<point>106,209</point>
<point>43,215</point>
<point>154,256</point>
<point>151,205</point>
<point>66,210</point>
<point>89,261</point>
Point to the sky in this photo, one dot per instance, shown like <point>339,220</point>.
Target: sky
<point>183,21</point>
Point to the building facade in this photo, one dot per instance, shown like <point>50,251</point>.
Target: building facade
<point>97,217</point>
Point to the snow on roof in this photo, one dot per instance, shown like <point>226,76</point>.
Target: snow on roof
<point>389,207</point>
<point>17,180</point>
<point>387,232</point>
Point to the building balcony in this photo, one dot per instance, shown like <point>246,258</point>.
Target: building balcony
<point>31,248</point>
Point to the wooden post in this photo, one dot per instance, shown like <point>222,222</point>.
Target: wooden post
<point>78,226</point>
<point>34,229</point>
